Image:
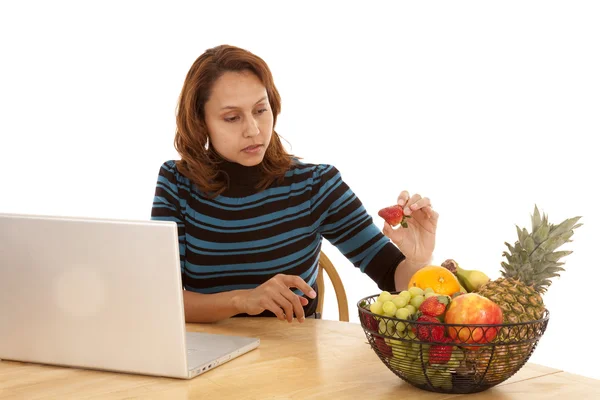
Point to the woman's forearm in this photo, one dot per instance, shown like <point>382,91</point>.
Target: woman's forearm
<point>201,307</point>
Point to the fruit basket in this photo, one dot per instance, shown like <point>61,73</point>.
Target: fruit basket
<point>449,358</point>
<point>455,330</point>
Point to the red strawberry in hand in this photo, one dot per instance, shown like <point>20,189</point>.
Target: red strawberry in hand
<point>434,306</point>
<point>429,332</point>
<point>440,353</point>
<point>394,216</point>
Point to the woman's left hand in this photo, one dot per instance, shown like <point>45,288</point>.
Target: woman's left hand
<point>417,241</point>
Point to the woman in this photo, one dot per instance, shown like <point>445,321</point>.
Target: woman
<point>251,217</point>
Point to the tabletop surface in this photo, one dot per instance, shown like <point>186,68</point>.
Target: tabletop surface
<point>318,359</point>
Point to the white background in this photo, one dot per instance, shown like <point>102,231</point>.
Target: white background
<point>487,108</point>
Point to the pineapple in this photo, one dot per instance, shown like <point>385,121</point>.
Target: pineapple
<point>531,262</point>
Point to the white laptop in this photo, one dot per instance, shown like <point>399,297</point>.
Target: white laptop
<point>101,294</point>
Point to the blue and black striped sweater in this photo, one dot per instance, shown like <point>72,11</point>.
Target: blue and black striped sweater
<point>242,238</point>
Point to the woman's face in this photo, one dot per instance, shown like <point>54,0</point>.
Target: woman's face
<point>239,118</point>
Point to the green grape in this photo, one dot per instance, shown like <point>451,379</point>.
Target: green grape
<point>400,327</point>
<point>410,353</point>
<point>433,375</point>
<point>416,291</point>
<point>406,294</point>
<point>389,308</point>
<point>417,373</point>
<point>399,334</point>
<point>430,294</point>
<point>384,296</point>
<point>400,301</point>
<point>412,309</point>
<point>444,378</point>
<point>429,290</point>
<point>444,373</point>
<point>411,335</point>
<point>399,352</point>
<point>457,354</point>
<point>402,313</point>
<point>456,358</point>
<point>376,308</point>
<point>417,300</point>
<point>382,327</point>
<point>391,325</point>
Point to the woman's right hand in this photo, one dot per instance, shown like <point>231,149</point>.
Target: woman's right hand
<point>275,295</point>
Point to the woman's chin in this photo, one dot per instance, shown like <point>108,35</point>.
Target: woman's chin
<point>249,161</point>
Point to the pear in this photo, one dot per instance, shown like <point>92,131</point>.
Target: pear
<point>471,280</point>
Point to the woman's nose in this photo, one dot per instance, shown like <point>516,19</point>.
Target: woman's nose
<point>251,128</point>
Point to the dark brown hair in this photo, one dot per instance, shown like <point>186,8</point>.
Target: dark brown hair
<point>199,164</point>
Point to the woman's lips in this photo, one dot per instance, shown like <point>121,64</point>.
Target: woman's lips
<point>252,149</point>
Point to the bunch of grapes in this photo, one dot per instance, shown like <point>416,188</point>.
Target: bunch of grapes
<point>403,306</point>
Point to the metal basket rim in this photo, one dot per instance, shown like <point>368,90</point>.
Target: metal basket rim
<point>544,319</point>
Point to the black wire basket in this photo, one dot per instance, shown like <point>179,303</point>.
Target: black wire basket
<point>460,361</point>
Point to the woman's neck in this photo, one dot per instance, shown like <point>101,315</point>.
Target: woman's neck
<point>240,176</point>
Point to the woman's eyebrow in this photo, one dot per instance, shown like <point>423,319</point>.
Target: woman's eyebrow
<point>234,107</point>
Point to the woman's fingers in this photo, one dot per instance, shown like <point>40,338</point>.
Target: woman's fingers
<point>403,198</point>
<point>423,204</point>
<point>303,300</point>
<point>414,199</point>
<point>283,301</point>
<point>293,299</point>
<point>296,282</point>
<point>270,305</point>
<point>285,304</point>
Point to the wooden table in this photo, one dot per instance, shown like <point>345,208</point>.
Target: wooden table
<point>318,359</point>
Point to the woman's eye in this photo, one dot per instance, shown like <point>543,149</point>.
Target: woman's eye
<point>262,110</point>
<point>231,119</point>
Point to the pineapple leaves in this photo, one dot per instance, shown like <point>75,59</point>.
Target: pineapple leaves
<point>536,220</point>
<point>541,234</point>
<point>557,255</point>
<point>533,259</point>
<point>522,234</point>
<point>564,227</point>
<point>529,244</point>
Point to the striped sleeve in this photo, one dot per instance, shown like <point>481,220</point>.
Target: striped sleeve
<point>167,204</point>
<point>344,222</point>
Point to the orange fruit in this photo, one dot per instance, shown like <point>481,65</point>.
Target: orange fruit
<point>436,277</point>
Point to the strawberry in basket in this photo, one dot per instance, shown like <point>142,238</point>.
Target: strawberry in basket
<point>429,332</point>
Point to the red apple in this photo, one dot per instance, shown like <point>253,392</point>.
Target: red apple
<point>471,308</point>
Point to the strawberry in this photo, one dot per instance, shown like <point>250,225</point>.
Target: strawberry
<point>434,306</point>
<point>429,332</point>
<point>383,347</point>
<point>394,216</point>
<point>441,353</point>
<point>370,323</point>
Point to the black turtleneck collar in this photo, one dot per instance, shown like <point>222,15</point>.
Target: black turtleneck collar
<point>242,180</point>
